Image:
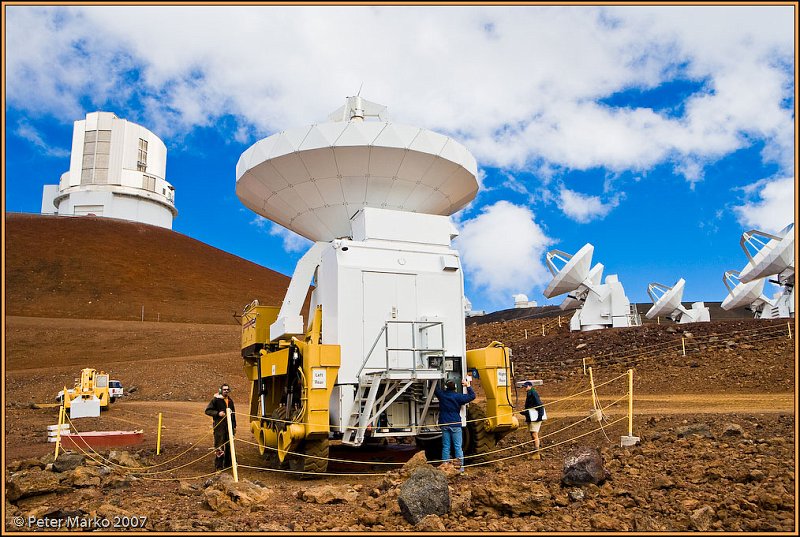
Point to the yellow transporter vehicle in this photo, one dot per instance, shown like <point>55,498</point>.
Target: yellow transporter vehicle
<point>89,396</point>
<point>292,382</point>
<point>290,392</point>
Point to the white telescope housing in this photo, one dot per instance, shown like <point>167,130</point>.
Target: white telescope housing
<point>376,198</point>
<point>668,304</point>
<point>599,305</point>
<point>521,301</point>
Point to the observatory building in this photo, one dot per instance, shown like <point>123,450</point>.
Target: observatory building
<point>116,170</point>
<point>521,301</point>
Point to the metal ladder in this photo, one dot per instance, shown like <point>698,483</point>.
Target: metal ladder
<point>397,381</point>
<point>357,423</point>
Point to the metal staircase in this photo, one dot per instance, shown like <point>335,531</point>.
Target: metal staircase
<point>378,390</point>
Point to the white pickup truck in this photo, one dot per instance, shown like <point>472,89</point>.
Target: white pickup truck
<point>114,390</point>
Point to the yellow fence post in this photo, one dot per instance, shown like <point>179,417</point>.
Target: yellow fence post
<point>526,333</point>
<point>543,329</point>
<point>60,423</point>
<point>683,344</point>
<point>158,442</point>
<point>231,443</point>
<point>789,326</point>
<point>559,321</point>
<point>658,320</point>
<point>584,366</point>
<point>591,383</point>
<point>630,402</point>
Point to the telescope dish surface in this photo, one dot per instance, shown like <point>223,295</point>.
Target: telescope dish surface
<point>773,258</point>
<point>313,179</point>
<point>573,274</point>
<point>669,301</point>
<point>743,294</point>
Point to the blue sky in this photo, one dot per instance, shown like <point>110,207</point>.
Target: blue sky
<point>659,134</point>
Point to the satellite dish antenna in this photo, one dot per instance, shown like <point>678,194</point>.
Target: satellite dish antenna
<point>577,297</point>
<point>773,257</point>
<point>599,304</point>
<point>574,272</point>
<point>669,304</point>
<point>313,179</point>
<point>744,295</point>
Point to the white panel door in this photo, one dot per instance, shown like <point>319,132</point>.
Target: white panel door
<point>389,297</point>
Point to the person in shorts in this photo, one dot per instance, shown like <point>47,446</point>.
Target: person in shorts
<point>534,415</point>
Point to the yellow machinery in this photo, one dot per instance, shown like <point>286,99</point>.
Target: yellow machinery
<point>292,381</point>
<point>291,384</point>
<point>89,396</point>
<point>486,427</point>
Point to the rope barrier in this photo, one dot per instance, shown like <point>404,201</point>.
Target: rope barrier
<point>121,466</point>
<point>541,449</point>
<point>146,475</point>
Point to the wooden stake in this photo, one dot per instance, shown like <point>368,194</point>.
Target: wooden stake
<point>60,423</point>
<point>158,442</point>
<point>630,402</point>
<point>232,445</point>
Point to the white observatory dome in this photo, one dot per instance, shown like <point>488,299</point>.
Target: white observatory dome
<point>313,179</point>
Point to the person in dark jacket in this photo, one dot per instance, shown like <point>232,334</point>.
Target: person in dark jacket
<point>534,415</point>
<point>450,403</point>
<point>217,410</point>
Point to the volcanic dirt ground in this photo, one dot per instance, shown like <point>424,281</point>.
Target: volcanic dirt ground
<point>713,404</point>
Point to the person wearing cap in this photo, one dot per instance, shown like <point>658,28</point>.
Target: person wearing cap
<point>534,415</point>
<point>450,403</point>
<point>217,409</point>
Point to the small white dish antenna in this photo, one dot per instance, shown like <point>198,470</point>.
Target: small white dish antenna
<point>669,304</point>
<point>573,274</point>
<point>772,256</point>
<point>743,295</point>
<point>669,300</point>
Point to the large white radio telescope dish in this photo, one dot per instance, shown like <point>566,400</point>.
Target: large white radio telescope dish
<point>773,257</point>
<point>668,302</point>
<point>313,179</point>
<point>741,295</point>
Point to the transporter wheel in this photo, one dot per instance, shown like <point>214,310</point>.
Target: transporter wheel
<point>477,440</point>
<point>315,461</point>
<point>270,452</point>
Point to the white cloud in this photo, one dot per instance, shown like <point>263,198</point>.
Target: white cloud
<point>520,85</point>
<point>583,208</point>
<point>770,205</point>
<point>28,132</point>
<point>292,242</point>
<point>502,251</point>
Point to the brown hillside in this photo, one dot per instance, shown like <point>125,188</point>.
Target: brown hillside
<point>102,268</point>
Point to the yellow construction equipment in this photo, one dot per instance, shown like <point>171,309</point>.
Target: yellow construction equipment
<point>88,397</point>
<point>291,389</point>
<point>487,427</point>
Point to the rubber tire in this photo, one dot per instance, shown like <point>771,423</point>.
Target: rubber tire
<point>270,454</point>
<point>477,439</point>
<point>316,448</point>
